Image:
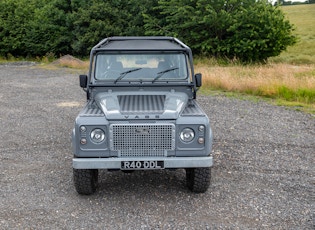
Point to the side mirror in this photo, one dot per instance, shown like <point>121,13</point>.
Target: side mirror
<point>83,81</point>
<point>198,78</point>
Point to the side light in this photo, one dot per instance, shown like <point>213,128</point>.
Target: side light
<point>201,128</point>
<point>201,140</point>
<point>83,141</point>
<point>82,129</point>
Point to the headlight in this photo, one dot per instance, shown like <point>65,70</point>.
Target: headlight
<point>97,135</point>
<point>187,135</point>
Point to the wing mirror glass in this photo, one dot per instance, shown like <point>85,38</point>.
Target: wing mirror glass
<point>198,78</point>
<point>83,81</point>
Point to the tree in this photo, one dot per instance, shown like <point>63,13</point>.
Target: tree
<point>14,19</point>
<point>34,27</point>
<point>97,19</point>
<point>249,30</point>
<point>48,31</point>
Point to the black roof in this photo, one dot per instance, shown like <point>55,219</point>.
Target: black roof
<point>141,44</point>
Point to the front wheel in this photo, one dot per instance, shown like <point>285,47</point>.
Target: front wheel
<point>198,179</point>
<point>85,180</point>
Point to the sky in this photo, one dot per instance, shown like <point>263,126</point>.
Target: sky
<point>273,1</point>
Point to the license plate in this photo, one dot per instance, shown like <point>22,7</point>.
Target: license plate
<point>132,165</point>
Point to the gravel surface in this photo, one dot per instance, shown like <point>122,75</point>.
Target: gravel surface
<point>263,175</point>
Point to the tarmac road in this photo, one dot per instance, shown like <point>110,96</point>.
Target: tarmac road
<point>263,176</point>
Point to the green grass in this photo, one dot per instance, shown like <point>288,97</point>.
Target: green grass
<point>45,59</point>
<point>303,52</point>
<point>10,59</point>
<point>299,95</point>
<point>294,105</point>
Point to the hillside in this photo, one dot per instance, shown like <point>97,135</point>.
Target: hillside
<point>303,17</point>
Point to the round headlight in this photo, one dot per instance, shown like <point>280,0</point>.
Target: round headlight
<point>187,135</point>
<point>97,135</point>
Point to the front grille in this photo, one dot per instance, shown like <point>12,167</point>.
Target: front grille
<point>142,140</point>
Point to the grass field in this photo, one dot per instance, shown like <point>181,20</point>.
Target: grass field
<point>288,79</point>
<point>303,17</point>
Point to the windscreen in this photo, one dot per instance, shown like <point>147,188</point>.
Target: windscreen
<point>141,67</point>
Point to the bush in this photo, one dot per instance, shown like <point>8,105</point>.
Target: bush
<point>33,27</point>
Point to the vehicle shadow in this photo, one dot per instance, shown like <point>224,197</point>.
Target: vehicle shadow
<point>142,182</point>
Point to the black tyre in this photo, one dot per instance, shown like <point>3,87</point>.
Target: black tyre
<point>198,179</point>
<point>85,180</point>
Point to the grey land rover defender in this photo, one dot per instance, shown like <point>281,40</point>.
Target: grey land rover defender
<point>141,113</point>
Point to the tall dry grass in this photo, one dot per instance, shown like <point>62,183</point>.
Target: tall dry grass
<point>292,83</point>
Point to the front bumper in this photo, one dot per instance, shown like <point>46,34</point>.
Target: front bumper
<point>169,162</point>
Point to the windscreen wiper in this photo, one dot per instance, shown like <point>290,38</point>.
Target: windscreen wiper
<point>160,74</point>
<point>123,74</point>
